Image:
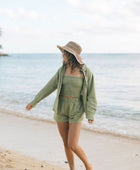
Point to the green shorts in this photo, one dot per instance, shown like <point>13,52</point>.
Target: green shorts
<point>69,110</point>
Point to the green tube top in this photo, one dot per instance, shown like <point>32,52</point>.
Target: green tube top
<point>71,86</point>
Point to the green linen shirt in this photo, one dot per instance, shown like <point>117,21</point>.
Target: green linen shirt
<point>88,91</point>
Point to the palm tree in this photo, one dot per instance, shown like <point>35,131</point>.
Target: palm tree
<point>2,54</point>
<point>0,35</point>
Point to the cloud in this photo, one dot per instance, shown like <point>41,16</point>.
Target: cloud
<point>20,13</point>
<point>105,7</point>
<point>55,19</point>
<point>20,32</point>
<point>92,7</point>
<point>8,12</point>
<point>28,14</point>
<point>108,17</point>
<point>135,7</point>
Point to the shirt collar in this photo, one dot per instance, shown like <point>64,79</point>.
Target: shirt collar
<point>84,68</point>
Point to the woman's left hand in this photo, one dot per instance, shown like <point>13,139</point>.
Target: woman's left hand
<point>90,121</point>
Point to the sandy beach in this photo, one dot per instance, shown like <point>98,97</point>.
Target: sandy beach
<point>26,143</point>
<point>17,161</point>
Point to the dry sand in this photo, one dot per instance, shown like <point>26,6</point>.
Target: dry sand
<point>41,141</point>
<point>10,160</point>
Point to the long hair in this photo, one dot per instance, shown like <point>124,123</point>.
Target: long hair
<point>71,61</point>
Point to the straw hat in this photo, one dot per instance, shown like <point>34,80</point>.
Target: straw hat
<point>73,48</point>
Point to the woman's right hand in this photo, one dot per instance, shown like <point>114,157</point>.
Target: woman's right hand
<point>29,107</point>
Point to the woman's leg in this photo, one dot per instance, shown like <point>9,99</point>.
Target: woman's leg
<point>73,137</point>
<point>63,128</point>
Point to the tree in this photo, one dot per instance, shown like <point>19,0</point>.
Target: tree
<point>0,35</point>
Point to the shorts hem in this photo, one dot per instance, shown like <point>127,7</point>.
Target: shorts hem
<point>69,121</point>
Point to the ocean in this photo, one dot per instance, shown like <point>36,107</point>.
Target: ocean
<point>117,84</point>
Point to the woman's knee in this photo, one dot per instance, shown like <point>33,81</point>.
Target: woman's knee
<point>73,146</point>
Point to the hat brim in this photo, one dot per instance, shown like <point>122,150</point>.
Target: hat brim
<point>78,57</point>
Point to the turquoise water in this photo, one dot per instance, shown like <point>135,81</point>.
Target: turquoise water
<point>117,83</point>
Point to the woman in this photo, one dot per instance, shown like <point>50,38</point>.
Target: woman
<point>75,95</point>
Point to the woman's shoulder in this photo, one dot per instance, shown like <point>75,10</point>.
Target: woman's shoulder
<point>60,70</point>
<point>88,70</point>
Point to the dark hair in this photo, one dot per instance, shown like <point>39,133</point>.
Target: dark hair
<point>72,62</point>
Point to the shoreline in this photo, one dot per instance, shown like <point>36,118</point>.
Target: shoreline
<point>40,140</point>
<point>3,54</point>
<point>95,130</point>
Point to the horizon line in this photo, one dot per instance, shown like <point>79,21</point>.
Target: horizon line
<point>81,53</point>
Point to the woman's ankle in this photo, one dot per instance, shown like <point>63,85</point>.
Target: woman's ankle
<point>72,167</point>
<point>89,166</point>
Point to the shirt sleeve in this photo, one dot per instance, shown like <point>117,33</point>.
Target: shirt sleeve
<point>91,99</point>
<point>46,90</point>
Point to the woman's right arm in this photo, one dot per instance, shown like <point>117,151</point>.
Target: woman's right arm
<point>44,92</point>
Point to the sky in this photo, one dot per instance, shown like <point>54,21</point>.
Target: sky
<point>99,26</point>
